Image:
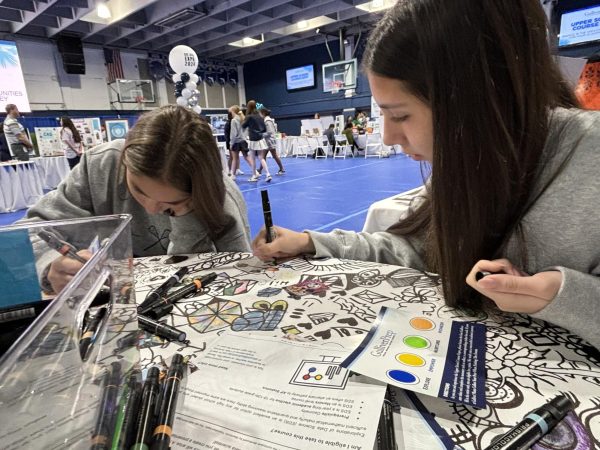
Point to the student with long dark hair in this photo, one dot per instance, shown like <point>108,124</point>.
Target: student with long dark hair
<point>71,140</point>
<point>512,163</point>
<point>168,175</point>
<point>256,143</point>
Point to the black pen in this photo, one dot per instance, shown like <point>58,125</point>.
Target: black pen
<point>101,438</point>
<point>157,293</point>
<point>166,414</point>
<point>89,332</point>
<point>481,274</point>
<point>62,247</point>
<point>191,288</point>
<point>145,420</point>
<point>159,311</point>
<point>386,436</point>
<point>126,418</point>
<point>266,205</point>
<point>534,426</point>
<point>161,329</point>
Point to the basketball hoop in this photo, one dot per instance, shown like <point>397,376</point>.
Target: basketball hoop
<point>139,99</point>
<point>336,85</point>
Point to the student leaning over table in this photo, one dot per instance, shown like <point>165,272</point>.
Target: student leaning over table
<point>514,163</point>
<point>167,174</point>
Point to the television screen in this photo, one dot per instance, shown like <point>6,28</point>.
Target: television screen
<point>300,77</point>
<point>580,26</point>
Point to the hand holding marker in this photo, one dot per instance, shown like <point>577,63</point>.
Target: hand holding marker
<point>62,247</point>
<point>266,205</point>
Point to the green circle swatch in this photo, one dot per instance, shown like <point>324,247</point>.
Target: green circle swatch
<point>416,342</point>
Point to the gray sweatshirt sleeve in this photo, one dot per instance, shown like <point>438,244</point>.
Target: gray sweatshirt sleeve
<point>381,247</point>
<point>578,298</point>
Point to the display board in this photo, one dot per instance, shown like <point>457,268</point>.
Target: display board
<point>217,122</point>
<point>89,129</point>
<point>116,129</point>
<point>12,83</point>
<point>48,141</point>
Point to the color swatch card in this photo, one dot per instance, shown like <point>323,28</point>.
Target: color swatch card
<point>433,356</point>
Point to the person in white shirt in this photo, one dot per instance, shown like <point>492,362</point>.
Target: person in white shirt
<point>15,134</point>
<point>71,141</point>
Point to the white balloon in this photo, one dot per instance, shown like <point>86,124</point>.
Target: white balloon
<point>197,109</point>
<point>176,78</point>
<point>191,86</point>
<point>181,101</point>
<point>192,102</point>
<point>186,93</point>
<point>183,59</point>
<point>194,78</point>
<point>195,92</point>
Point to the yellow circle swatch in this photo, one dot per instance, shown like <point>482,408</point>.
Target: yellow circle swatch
<point>410,359</point>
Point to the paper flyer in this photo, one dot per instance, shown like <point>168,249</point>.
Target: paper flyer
<point>427,355</point>
<point>255,392</point>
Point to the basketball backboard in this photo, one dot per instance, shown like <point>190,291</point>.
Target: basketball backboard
<point>339,75</point>
<point>134,91</point>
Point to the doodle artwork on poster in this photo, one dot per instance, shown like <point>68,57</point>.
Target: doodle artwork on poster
<point>336,301</point>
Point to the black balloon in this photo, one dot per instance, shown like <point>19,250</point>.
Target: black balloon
<point>185,77</point>
<point>179,85</point>
<point>177,92</point>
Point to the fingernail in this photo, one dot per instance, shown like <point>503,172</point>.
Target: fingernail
<point>488,283</point>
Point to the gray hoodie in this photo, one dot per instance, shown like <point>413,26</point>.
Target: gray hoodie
<point>561,229</point>
<point>95,188</point>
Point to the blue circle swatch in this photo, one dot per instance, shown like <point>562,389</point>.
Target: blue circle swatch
<point>402,376</point>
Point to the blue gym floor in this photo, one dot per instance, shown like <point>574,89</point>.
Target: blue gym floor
<point>320,194</point>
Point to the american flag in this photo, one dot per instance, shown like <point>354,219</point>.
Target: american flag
<point>114,67</point>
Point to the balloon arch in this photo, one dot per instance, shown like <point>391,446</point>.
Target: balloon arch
<point>184,62</point>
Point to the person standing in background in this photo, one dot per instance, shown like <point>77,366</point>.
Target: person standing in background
<point>16,137</point>
<point>256,128</point>
<point>71,140</point>
<point>238,143</point>
<point>270,137</point>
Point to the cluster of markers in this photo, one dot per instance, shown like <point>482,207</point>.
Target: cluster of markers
<point>159,302</point>
<point>142,417</point>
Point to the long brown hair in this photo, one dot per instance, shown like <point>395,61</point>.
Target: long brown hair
<point>484,68</point>
<point>174,145</point>
<point>68,123</point>
<point>251,108</point>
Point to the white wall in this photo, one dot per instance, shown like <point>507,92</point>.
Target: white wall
<point>50,88</point>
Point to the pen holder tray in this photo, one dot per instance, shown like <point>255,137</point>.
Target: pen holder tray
<point>49,395</point>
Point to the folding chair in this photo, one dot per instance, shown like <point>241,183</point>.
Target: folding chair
<point>341,147</point>
<point>301,148</point>
<point>373,142</point>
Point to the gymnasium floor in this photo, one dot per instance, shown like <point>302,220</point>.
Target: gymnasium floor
<point>320,194</point>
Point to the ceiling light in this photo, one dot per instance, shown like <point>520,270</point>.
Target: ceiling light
<point>303,24</point>
<point>376,5</point>
<point>103,11</point>
<point>248,41</point>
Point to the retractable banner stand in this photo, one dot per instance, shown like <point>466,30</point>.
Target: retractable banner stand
<point>12,83</point>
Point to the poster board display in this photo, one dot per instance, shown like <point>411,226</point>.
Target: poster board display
<point>48,141</point>
<point>89,129</point>
<point>116,129</point>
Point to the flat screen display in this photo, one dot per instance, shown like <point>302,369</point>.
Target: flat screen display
<point>580,26</point>
<point>302,77</point>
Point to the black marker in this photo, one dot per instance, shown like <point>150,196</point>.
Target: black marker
<point>101,439</point>
<point>159,311</point>
<point>266,205</point>
<point>62,247</point>
<point>386,436</point>
<point>166,415</point>
<point>535,425</point>
<point>90,331</point>
<point>481,274</point>
<point>157,293</point>
<point>161,329</point>
<point>191,288</point>
<point>146,420</point>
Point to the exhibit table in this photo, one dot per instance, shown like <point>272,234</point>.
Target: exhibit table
<point>21,185</point>
<point>384,213</point>
<point>53,169</point>
<point>336,301</point>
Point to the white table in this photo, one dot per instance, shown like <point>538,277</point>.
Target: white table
<point>386,212</point>
<point>285,146</point>
<point>21,185</point>
<point>53,169</point>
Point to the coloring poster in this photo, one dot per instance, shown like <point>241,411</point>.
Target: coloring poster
<point>334,300</point>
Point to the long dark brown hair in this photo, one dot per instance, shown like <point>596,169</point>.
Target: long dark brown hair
<point>68,123</point>
<point>174,145</point>
<point>484,68</point>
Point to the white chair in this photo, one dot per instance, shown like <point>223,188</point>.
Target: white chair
<point>373,142</point>
<point>323,143</point>
<point>342,147</point>
<point>301,148</point>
